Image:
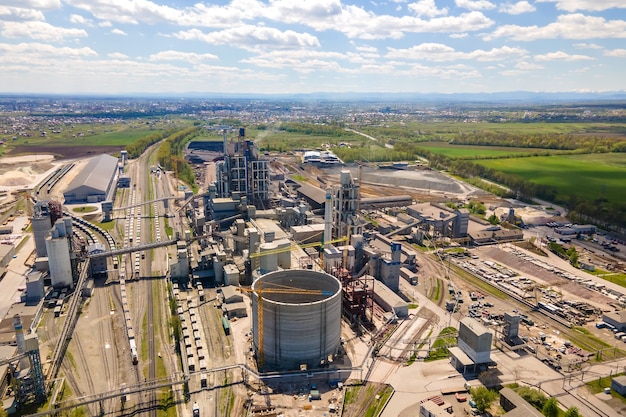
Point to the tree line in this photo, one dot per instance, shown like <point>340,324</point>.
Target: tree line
<point>552,141</point>
<point>170,154</point>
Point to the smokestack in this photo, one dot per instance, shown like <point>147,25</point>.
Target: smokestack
<point>19,338</point>
<point>328,221</point>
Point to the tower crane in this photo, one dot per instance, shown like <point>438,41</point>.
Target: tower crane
<point>260,291</point>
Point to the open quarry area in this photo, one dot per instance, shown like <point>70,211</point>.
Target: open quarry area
<point>237,280</point>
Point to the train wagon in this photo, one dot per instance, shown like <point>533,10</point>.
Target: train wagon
<point>133,351</point>
<point>226,325</point>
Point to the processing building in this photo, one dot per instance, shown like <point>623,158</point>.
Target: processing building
<point>95,182</point>
<point>440,220</point>
<point>242,172</point>
<point>346,220</point>
<point>474,346</point>
<point>301,319</point>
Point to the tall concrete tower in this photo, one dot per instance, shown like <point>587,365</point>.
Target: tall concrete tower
<point>328,217</point>
<point>19,338</point>
<point>42,223</point>
<point>345,206</point>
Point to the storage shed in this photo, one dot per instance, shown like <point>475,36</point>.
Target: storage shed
<point>389,300</point>
<point>618,384</point>
<point>95,182</point>
<point>231,295</point>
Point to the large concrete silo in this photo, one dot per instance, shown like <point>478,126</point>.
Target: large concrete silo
<point>59,263</point>
<point>301,318</point>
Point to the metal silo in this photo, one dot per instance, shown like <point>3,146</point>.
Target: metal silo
<point>269,257</point>
<point>301,318</point>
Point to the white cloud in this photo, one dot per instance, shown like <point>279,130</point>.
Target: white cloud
<point>587,5</point>
<point>440,52</point>
<point>562,56</point>
<point>363,25</point>
<point>20,14</point>
<point>149,12</point>
<point>617,53</point>
<point>587,46</point>
<point>41,50</point>
<point>367,49</point>
<point>127,11</point>
<point>455,72</point>
<point>572,26</point>
<point>427,8</point>
<point>292,59</point>
<point>252,37</point>
<point>117,55</point>
<point>511,73</point>
<point>39,30</point>
<point>527,66</point>
<point>120,32</point>
<point>306,60</point>
<point>517,8</point>
<point>80,20</point>
<point>458,35</point>
<point>105,24</point>
<point>322,15</point>
<point>303,10</point>
<point>182,56</point>
<point>475,4</point>
<point>35,4</point>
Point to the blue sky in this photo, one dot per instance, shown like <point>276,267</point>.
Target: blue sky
<point>307,46</point>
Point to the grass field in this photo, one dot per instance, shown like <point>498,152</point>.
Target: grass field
<point>592,176</point>
<point>466,151</point>
<point>454,127</point>
<point>97,134</point>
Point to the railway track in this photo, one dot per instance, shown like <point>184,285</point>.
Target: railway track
<point>431,318</point>
<point>85,384</point>
<point>152,397</point>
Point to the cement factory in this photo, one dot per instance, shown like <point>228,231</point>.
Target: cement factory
<point>304,287</point>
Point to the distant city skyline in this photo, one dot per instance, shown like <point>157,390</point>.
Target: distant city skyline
<point>125,47</point>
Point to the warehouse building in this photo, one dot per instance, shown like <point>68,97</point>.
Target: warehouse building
<point>95,182</point>
<point>389,301</point>
<point>616,319</point>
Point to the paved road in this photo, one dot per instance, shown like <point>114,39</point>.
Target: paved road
<point>387,145</point>
<point>15,277</point>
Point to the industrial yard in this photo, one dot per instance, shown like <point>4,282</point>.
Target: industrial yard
<point>288,288</point>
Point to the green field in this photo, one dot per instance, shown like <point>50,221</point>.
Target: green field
<point>97,134</point>
<point>471,151</point>
<point>447,130</point>
<point>590,176</point>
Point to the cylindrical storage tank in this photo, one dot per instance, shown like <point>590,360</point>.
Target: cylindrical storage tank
<point>59,261</point>
<point>269,257</point>
<point>41,227</point>
<point>301,318</point>
<point>218,267</point>
<point>284,253</point>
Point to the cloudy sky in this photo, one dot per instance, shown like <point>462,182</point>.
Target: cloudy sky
<point>304,46</point>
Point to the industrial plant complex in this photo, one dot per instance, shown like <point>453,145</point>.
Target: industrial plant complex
<point>278,285</point>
